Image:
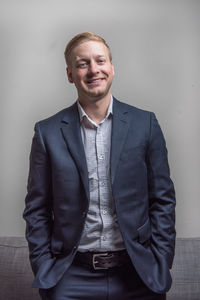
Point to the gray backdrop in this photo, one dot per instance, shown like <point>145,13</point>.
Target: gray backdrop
<point>156,49</point>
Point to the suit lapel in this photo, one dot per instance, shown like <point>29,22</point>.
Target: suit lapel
<point>120,127</point>
<point>72,135</point>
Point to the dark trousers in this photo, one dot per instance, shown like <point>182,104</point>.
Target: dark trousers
<point>119,283</point>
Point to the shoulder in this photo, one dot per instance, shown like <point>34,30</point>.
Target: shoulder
<point>56,119</point>
<point>133,111</point>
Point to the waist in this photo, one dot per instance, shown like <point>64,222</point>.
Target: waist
<point>102,260</point>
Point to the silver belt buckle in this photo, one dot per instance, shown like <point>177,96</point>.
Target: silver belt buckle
<point>94,262</point>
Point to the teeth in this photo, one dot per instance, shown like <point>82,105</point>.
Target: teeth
<point>96,80</point>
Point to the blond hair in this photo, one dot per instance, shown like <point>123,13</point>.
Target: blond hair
<point>80,38</point>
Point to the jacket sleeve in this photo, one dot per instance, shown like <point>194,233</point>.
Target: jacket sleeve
<point>38,213</point>
<point>161,194</point>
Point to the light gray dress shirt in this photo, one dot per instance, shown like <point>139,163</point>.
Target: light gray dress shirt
<point>101,231</point>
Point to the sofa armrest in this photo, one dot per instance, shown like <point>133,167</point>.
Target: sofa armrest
<point>186,270</point>
<point>15,272</point>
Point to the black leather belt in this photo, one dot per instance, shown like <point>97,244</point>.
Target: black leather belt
<point>102,260</point>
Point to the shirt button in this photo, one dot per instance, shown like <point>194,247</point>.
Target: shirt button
<point>103,238</point>
<point>100,157</point>
<point>104,211</point>
<point>102,183</point>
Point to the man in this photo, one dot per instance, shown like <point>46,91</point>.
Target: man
<point>100,202</point>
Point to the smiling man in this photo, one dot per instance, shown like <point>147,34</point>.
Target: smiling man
<point>100,203</point>
<point>91,70</point>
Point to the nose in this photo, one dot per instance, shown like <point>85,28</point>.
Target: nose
<point>93,68</point>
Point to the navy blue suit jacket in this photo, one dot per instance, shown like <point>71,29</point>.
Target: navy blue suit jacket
<point>58,194</point>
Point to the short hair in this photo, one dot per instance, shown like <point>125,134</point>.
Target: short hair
<point>80,38</point>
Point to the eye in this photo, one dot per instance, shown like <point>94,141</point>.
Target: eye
<point>82,65</point>
<point>101,61</point>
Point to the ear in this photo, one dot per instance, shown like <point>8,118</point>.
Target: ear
<point>69,75</point>
<point>113,69</point>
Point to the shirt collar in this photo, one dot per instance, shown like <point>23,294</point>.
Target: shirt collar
<point>83,114</point>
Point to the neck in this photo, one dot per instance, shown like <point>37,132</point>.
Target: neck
<point>96,110</point>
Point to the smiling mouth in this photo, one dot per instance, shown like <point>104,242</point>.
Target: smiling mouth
<point>94,81</point>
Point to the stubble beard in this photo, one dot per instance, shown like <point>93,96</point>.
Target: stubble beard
<point>97,96</point>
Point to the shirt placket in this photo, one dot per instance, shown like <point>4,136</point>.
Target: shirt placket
<point>103,183</point>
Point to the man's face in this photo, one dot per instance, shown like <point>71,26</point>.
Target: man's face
<point>91,70</point>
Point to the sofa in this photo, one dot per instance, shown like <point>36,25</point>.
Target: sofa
<point>16,275</point>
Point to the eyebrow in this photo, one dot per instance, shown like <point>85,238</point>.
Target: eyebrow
<point>86,59</point>
<point>104,56</point>
<point>81,59</point>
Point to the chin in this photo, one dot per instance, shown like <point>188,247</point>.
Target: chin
<point>98,97</point>
<point>98,94</point>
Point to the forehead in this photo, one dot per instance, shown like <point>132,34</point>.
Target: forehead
<point>89,48</point>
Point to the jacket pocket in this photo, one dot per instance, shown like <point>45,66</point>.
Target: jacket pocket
<point>144,232</point>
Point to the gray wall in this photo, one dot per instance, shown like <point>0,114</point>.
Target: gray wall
<point>156,49</point>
